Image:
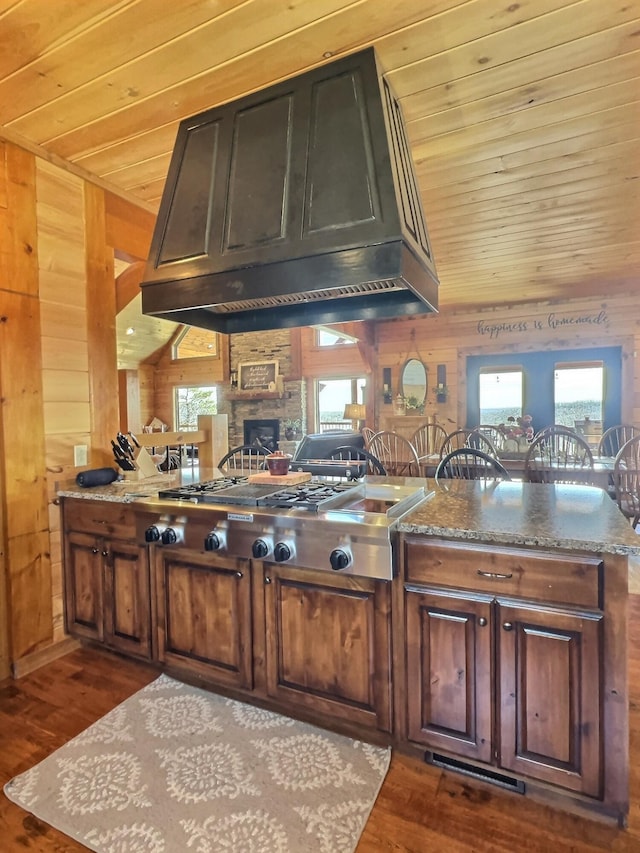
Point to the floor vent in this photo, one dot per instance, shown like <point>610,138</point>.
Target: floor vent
<point>481,773</point>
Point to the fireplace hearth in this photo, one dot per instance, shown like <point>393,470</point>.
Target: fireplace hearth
<point>262,433</point>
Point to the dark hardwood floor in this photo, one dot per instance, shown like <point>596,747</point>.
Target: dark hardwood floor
<point>420,809</point>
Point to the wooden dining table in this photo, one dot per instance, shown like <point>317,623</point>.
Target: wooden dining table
<point>600,475</point>
<point>565,472</point>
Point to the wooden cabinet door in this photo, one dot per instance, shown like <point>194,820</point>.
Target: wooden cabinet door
<point>127,614</point>
<point>449,691</point>
<point>204,615</point>
<point>83,586</point>
<point>328,644</point>
<point>550,695</point>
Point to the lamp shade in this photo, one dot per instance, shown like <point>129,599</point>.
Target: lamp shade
<point>354,412</point>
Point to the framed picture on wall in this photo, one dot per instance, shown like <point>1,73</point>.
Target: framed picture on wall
<point>258,376</point>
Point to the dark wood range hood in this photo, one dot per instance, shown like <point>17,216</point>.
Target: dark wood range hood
<point>295,205</point>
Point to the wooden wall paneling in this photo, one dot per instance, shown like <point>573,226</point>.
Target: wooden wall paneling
<point>65,374</point>
<point>101,329</point>
<point>146,390</point>
<point>447,338</point>
<point>3,174</point>
<point>27,564</point>
<point>24,479</point>
<point>129,396</point>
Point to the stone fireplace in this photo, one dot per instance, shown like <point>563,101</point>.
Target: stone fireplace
<point>262,432</point>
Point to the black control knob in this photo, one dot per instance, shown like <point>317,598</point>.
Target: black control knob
<point>260,549</point>
<point>169,536</point>
<point>152,534</point>
<point>213,542</point>
<point>339,559</point>
<point>282,552</point>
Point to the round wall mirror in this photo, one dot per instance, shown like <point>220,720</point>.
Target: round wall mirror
<point>413,381</point>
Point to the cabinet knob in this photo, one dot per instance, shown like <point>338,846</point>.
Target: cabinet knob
<point>507,626</point>
<point>482,621</point>
<point>267,579</point>
<point>95,550</point>
<point>105,553</point>
<point>238,575</point>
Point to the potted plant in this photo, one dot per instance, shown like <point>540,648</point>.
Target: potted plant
<point>292,427</point>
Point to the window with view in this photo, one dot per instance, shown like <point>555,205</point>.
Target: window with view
<point>191,401</point>
<point>332,395</point>
<point>578,394</point>
<point>500,394</point>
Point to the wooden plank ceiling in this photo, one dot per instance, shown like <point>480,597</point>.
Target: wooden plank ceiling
<point>523,117</point>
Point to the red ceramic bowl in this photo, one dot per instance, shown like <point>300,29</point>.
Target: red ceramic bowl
<point>278,463</point>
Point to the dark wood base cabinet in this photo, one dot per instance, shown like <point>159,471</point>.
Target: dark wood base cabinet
<point>106,577</point>
<point>329,644</point>
<point>515,667</point>
<point>508,661</point>
<point>204,615</point>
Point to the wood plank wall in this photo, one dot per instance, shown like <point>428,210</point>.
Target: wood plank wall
<point>65,349</point>
<point>58,374</point>
<point>28,605</point>
<point>448,339</point>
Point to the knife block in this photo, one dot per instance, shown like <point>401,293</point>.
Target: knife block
<point>145,466</point>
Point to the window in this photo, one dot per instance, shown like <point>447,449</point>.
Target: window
<point>578,395</point>
<point>332,395</point>
<point>193,342</point>
<point>500,394</point>
<point>328,337</point>
<point>192,401</point>
<point>557,386</point>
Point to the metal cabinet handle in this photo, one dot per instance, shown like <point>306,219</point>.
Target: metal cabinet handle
<point>482,621</point>
<point>267,579</point>
<point>105,553</point>
<point>95,550</point>
<point>238,575</point>
<point>507,626</point>
<point>495,575</point>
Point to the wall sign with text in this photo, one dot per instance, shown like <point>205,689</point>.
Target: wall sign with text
<point>258,376</point>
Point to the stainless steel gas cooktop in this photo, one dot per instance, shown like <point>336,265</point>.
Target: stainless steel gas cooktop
<point>348,527</point>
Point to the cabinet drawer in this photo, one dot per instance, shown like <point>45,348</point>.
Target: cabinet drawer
<point>554,577</point>
<point>104,518</point>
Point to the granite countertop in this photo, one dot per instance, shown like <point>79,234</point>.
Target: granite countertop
<point>582,518</point>
<point>127,491</point>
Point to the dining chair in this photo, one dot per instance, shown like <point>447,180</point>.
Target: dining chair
<point>243,460</point>
<point>613,438</point>
<point>626,479</point>
<point>428,439</point>
<point>467,463</point>
<point>496,434</point>
<point>559,455</point>
<point>461,438</point>
<point>367,434</point>
<point>396,453</point>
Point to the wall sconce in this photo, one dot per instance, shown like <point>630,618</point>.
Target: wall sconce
<point>386,385</point>
<point>355,412</point>
<point>441,383</point>
<point>233,378</point>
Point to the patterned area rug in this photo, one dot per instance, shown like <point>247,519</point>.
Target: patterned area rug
<point>175,768</point>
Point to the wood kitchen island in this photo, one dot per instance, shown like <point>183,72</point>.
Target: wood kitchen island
<point>499,649</point>
<point>511,639</point>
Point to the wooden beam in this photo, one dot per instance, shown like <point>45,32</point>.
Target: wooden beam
<point>128,284</point>
<point>101,330</point>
